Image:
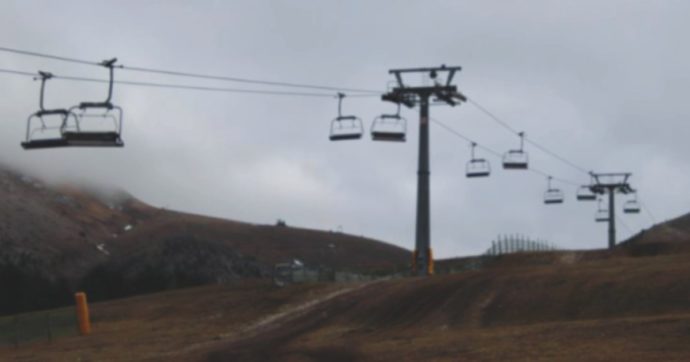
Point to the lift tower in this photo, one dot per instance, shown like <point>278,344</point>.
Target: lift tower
<point>611,183</point>
<point>442,92</point>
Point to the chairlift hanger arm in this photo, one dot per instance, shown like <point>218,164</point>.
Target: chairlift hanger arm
<point>44,75</point>
<point>110,65</point>
<point>44,78</point>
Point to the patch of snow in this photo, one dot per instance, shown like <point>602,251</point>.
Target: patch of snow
<point>101,248</point>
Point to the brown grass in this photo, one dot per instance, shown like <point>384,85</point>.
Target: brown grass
<point>620,308</point>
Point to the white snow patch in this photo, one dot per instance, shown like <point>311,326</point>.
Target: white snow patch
<point>101,248</point>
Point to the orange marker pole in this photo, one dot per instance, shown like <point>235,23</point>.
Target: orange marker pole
<point>83,314</point>
<point>430,262</point>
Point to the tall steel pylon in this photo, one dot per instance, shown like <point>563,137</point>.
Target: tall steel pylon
<point>611,183</point>
<point>423,263</point>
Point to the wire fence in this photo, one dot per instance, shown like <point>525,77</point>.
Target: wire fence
<point>509,244</point>
<point>20,329</point>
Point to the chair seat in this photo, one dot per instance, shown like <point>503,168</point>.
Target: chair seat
<point>345,136</point>
<point>515,165</point>
<point>388,136</point>
<point>93,139</point>
<point>48,112</point>
<point>478,173</point>
<point>106,105</point>
<point>45,143</point>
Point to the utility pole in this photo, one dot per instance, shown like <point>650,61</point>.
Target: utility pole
<point>439,92</point>
<point>611,183</point>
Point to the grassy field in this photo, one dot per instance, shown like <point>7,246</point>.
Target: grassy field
<point>573,308</point>
<point>22,329</point>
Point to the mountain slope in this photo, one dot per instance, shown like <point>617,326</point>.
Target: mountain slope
<point>673,231</point>
<point>75,236</point>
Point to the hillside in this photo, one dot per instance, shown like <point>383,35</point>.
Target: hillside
<point>599,309</point>
<point>618,308</point>
<point>675,231</point>
<point>56,238</point>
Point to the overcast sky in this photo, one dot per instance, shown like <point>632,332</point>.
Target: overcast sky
<point>602,83</point>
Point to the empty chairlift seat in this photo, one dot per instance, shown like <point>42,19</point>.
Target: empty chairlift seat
<point>602,214</point>
<point>477,167</point>
<point>99,124</point>
<point>553,195</point>
<point>97,130</point>
<point>345,127</point>
<point>632,206</point>
<point>48,133</point>
<point>45,127</point>
<point>93,139</point>
<point>584,193</point>
<point>389,127</point>
<point>516,159</point>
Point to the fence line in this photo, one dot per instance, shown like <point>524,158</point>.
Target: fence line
<point>515,243</point>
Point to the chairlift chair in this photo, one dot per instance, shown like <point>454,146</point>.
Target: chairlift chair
<point>47,134</point>
<point>97,129</point>
<point>345,127</point>
<point>516,159</point>
<point>602,214</point>
<point>584,193</point>
<point>632,206</point>
<point>477,167</point>
<point>389,127</point>
<point>587,192</point>
<point>553,195</point>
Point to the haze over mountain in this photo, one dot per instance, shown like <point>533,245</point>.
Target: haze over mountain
<point>111,243</point>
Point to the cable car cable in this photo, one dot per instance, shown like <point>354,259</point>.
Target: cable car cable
<point>497,154</point>
<point>648,212</point>
<point>184,86</point>
<point>191,75</point>
<point>530,141</point>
